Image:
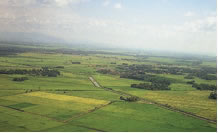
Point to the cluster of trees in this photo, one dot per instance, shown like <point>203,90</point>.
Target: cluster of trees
<point>189,76</point>
<point>45,71</point>
<point>203,73</point>
<point>131,60</point>
<point>20,79</point>
<point>190,82</point>
<point>132,76</point>
<point>13,49</point>
<point>107,71</point>
<point>141,86</point>
<point>157,83</point>
<point>157,79</point>
<point>137,71</point>
<point>146,77</point>
<point>204,86</point>
<point>213,95</point>
<point>152,86</point>
<point>76,62</point>
<point>129,99</point>
<point>136,68</point>
<point>59,67</point>
<point>142,68</point>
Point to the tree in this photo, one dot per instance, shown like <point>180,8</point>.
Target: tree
<point>129,99</point>
<point>190,82</point>
<point>204,86</point>
<point>213,95</point>
<point>20,79</point>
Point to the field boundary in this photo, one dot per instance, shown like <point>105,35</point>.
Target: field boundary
<point>156,103</point>
<point>94,82</point>
<point>65,122</point>
<point>90,111</point>
<point>20,110</point>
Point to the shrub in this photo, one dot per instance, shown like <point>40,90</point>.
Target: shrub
<point>213,95</point>
<point>20,79</point>
<point>204,86</point>
<point>189,76</point>
<point>107,71</point>
<point>76,63</point>
<point>130,99</point>
<point>190,82</point>
<point>59,67</point>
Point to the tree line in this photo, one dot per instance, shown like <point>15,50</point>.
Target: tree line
<point>157,83</point>
<point>20,79</point>
<point>107,71</point>
<point>207,73</point>
<point>44,71</point>
<point>152,86</point>
<point>204,86</point>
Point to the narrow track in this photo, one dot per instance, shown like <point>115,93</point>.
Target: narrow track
<point>152,102</point>
<point>89,111</point>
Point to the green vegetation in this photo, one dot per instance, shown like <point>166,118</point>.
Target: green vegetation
<point>20,79</point>
<point>45,71</point>
<point>48,89</point>
<point>21,105</point>
<point>129,99</point>
<point>196,102</point>
<point>213,95</point>
<point>141,117</point>
<point>153,86</point>
<point>204,86</point>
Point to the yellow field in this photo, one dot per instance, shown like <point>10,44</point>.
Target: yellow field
<point>67,98</point>
<point>191,101</point>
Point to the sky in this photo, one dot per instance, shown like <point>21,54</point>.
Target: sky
<point>169,25</point>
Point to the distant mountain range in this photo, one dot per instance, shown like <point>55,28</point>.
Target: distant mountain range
<point>23,37</point>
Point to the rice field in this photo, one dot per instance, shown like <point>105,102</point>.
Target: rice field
<point>70,102</point>
<point>67,98</point>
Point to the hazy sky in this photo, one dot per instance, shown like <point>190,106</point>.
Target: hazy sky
<point>175,25</point>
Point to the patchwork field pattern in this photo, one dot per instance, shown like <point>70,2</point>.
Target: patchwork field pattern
<point>141,117</point>
<point>70,102</point>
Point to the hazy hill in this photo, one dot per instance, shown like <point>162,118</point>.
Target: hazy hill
<point>24,37</point>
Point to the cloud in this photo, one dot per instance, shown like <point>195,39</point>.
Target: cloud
<point>29,3</point>
<point>53,17</point>
<point>189,14</point>
<point>17,3</point>
<point>68,2</point>
<point>118,6</point>
<point>62,2</point>
<point>207,24</point>
<point>106,3</point>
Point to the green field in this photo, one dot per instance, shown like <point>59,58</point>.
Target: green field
<point>70,102</point>
<point>141,117</point>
